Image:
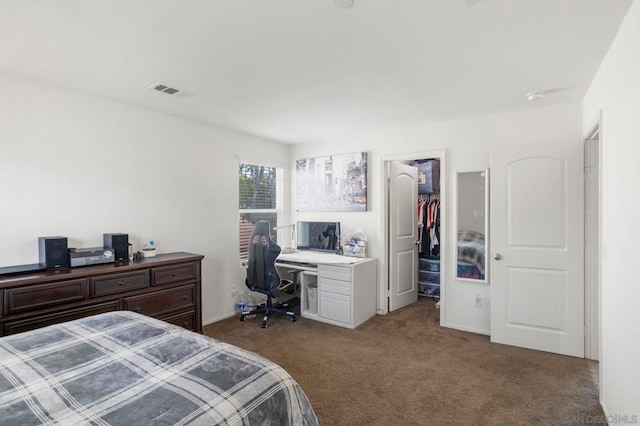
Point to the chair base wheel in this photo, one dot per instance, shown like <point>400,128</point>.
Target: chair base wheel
<point>268,309</point>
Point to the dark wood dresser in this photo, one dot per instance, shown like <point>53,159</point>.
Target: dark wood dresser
<point>167,287</point>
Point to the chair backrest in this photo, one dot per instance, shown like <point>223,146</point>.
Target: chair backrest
<point>262,275</point>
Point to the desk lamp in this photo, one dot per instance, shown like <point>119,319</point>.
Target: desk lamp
<point>292,240</point>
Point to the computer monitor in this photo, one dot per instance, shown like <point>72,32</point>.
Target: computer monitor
<point>318,236</point>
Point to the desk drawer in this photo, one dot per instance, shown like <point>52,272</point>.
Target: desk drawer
<point>335,286</point>
<point>162,302</point>
<point>173,274</point>
<point>40,296</point>
<point>118,283</point>
<point>334,272</point>
<point>336,307</point>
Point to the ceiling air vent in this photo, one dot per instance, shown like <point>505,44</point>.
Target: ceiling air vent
<point>164,88</point>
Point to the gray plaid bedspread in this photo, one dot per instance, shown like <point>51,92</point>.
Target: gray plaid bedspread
<point>122,368</point>
<point>471,248</point>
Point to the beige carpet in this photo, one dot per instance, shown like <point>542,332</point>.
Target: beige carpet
<point>404,369</point>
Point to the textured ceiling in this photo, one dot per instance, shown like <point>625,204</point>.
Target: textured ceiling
<point>304,71</point>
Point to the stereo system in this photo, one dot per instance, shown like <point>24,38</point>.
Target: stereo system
<point>90,256</point>
<point>54,253</point>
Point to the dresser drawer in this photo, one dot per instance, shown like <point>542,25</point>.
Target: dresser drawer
<point>162,302</point>
<point>185,320</point>
<point>40,296</point>
<point>12,327</point>
<point>173,274</point>
<point>118,283</point>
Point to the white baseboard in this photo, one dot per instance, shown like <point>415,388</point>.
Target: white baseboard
<point>469,329</point>
<point>220,318</point>
<point>604,409</point>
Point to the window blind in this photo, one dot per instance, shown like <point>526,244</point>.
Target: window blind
<point>260,198</point>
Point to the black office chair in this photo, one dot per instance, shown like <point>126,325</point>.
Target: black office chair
<point>263,277</point>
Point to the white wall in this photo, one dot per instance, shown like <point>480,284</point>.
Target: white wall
<point>467,145</point>
<point>160,177</point>
<point>616,92</point>
<point>79,166</point>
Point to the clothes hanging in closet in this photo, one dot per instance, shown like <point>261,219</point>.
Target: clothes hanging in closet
<point>429,227</point>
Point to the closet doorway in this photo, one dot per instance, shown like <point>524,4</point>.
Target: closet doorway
<point>592,232</point>
<point>403,270</point>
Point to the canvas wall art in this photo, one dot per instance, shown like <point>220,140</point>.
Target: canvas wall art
<point>335,183</point>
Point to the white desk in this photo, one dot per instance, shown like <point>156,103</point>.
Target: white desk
<point>338,290</point>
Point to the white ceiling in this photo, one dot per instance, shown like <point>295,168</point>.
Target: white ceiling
<point>303,71</point>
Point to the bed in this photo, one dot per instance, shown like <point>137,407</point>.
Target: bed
<point>123,368</point>
<point>471,255</point>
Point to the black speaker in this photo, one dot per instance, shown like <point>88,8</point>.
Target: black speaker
<point>119,243</point>
<point>53,252</point>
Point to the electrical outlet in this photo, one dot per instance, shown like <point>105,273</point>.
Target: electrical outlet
<point>478,302</point>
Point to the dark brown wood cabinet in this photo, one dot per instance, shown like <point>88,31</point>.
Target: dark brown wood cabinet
<point>167,287</point>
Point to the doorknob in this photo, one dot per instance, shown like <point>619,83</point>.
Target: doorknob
<point>497,256</point>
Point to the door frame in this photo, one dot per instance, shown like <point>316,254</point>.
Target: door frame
<point>383,294</point>
<point>594,319</point>
<point>593,234</point>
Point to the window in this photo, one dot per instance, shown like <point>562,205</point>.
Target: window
<point>260,199</point>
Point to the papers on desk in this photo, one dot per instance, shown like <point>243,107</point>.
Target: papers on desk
<point>316,257</point>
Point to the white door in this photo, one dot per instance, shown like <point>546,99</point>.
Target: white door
<point>403,234</point>
<point>537,287</point>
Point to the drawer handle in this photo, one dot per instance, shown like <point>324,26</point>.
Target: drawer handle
<point>185,324</point>
<point>136,309</point>
<point>120,282</point>
<point>174,274</point>
<point>185,297</point>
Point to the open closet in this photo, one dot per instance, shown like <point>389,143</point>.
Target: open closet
<point>415,229</point>
<point>429,236</point>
